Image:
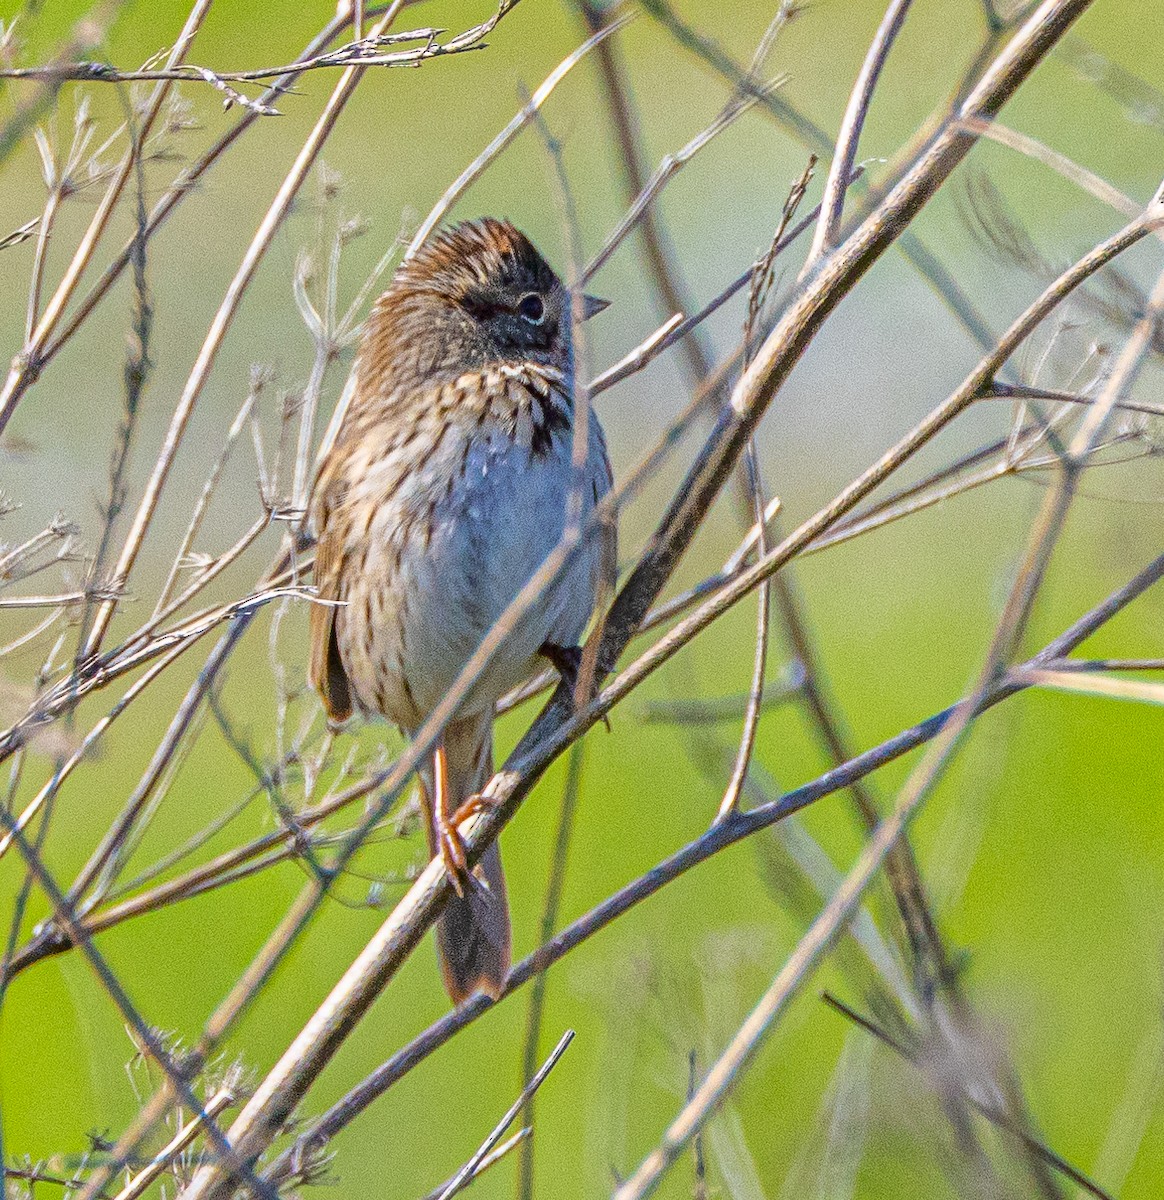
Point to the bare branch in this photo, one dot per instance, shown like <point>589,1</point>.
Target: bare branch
<point>471,1168</point>
<point>461,184</point>
<point>829,225</point>
<point>743,825</point>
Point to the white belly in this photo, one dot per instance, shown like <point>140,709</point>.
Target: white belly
<point>442,594</point>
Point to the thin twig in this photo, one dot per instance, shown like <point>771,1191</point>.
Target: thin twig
<point>20,234</point>
<point>365,52</point>
<point>757,296</point>
<point>461,184</point>
<point>994,1115</point>
<point>203,502</point>
<point>667,169</point>
<point>471,1167</point>
<point>554,890</point>
<point>520,1138</point>
<point>1087,180</point>
<point>829,225</point>
<point>746,823</point>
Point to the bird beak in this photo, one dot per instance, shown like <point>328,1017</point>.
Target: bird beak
<point>592,306</point>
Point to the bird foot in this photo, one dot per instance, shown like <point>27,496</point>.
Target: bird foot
<point>452,844</point>
<point>452,847</point>
<point>474,806</point>
<point>567,661</point>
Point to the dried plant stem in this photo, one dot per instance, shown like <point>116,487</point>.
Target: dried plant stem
<point>757,297</point>
<point>710,843</point>
<point>1011,391</point>
<point>648,190</point>
<point>87,32</point>
<point>199,513</point>
<point>697,357</point>
<point>809,952</point>
<point>528,1092</point>
<point>675,330</point>
<point>554,889</point>
<point>849,497</point>
<point>135,373</point>
<point>285,1085</point>
<point>43,233</point>
<point>520,1138</point>
<point>362,53</point>
<point>907,885</point>
<point>840,270</point>
<point>20,234</point>
<point>219,1102</point>
<point>221,323</point>
<point>28,363</point>
<point>729,803</point>
<point>829,225</point>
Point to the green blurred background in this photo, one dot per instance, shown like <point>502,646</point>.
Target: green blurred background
<point>1044,846</point>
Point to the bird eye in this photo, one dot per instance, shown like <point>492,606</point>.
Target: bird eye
<point>532,308</point>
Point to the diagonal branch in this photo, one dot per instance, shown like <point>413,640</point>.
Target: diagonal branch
<point>283,1088</point>
<point>28,363</point>
<point>829,225</point>
<point>744,825</point>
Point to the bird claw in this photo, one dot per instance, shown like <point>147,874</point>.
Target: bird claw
<point>452,844</point>
<point>567,661</point>
<point>452,848</point>
<point>478,803</point>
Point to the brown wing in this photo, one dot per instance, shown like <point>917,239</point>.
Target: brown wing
<point>326,668</point>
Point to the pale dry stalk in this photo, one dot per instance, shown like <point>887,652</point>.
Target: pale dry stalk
<point>283,1088</point>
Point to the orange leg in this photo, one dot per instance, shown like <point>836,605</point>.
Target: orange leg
<point>448,836</point>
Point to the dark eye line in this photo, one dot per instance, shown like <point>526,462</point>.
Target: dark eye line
<point>480,309</point>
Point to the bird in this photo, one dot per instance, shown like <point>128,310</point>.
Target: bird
<point>445,480</point>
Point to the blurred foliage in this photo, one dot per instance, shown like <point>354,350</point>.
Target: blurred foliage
<point>1044,847</point>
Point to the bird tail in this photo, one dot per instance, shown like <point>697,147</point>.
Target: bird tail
<point>473,939</point>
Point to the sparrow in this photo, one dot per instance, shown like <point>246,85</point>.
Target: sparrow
<point>446,481</point>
